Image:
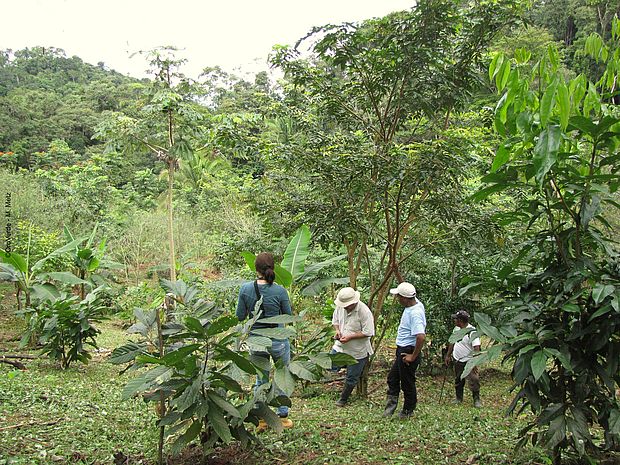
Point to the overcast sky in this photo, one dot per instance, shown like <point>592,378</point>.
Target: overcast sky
<point>228,33</point>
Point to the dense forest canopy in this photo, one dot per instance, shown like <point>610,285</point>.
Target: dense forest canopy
<point>468,148</point>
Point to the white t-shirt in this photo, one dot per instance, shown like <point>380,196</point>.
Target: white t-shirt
<point>464,348</point>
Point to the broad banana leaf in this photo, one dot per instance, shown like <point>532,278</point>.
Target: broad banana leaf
<point>297,252</point>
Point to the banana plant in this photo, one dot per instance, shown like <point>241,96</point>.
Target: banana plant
<point>30,279</point>
<point>88,259</point>
<point>293,271</point>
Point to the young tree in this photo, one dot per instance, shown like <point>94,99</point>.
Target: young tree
<point>561,312</point>
<point>167,127</point>
<point>380,95</point>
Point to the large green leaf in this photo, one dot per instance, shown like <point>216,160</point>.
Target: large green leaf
<point>222,324</point>
<point>283,276</point>
<point>187,436</point>
<point>44,292</point>
<point>563,100</point>
<point>459,334</point>
<point>64,277</point>
<point>264,412</point>
<point>317,286</point>
<point>143,382</point>
<point>219,423</point>
<point>484,324</point>
<point>583,124</point>
<point>64,249</point>
<point>547,102</point>
<point>240,361</point>
<point>539,364</point>
<point>341,359</point>
<point>8,273</point>
<point>501,157</point>
<point>302,369</point>
<point>296,252</point>
<point>275,333</point>
<point>601,291</point>
<point>546,151</point>
<point>127,353</point>
<point>284,380</point>
<point>223,404</point>
<point>312,270</point>
<point>250,260</point>
<point>259,343</point>
<point>15,260</point>
<point>281,319</point>
<point>175,357</point>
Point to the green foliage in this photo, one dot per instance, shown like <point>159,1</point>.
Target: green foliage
<point>561,313</point>
<point>199,364</point>
<point>46,97</point>
<point>64,327</point>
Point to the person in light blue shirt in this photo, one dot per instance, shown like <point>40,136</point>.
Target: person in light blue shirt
<point>409,342</point>
<point>275,302</point>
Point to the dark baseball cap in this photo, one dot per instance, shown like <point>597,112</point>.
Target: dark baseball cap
<point>461,315</point>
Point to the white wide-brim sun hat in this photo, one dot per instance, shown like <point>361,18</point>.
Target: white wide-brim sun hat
<point>347,296</point>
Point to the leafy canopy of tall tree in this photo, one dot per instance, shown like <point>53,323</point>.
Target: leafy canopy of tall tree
<point>377,100</point>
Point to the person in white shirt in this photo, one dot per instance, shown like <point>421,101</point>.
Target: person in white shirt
<point>354,325</point>
<point>410,339</point>
<point>461,352</point>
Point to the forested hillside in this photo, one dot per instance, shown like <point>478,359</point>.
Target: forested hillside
<point>470,149</point>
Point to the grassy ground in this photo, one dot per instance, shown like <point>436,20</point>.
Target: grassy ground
<point>76,416</point>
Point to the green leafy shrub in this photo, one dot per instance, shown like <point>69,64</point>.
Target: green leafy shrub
<point>64,327</point>
<point>197,368</point>
<point>559,320</point>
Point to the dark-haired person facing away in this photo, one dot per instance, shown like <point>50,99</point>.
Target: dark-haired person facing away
<point>275,302</point>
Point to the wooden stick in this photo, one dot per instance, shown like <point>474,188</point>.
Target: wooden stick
<point>16,364</point>
<point>29,357</point>
<point>32,423</point>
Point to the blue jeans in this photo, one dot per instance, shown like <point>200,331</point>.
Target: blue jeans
<point>353,371</point>
<point>280,350</point>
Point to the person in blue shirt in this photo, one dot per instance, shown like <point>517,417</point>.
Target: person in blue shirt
<point>409,342</point>
<point>275,302</point>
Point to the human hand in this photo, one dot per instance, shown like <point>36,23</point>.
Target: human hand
<point>447,360</point>
<point>408,358</point>
<point>344,339</point>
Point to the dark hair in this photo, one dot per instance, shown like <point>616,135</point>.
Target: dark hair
<point>265,266</point>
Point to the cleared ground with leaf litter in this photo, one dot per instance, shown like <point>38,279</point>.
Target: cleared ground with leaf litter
<point>76,416</point>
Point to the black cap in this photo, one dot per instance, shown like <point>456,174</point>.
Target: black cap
<point>461,315</point>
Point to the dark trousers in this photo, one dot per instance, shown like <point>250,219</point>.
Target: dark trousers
<point>473,378</point>
<point>402,377</point>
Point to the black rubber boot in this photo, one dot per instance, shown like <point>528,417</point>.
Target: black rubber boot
<point>390,406</point>
<point>476,396</point>
<point>459,394</point>
<point>344,395</point>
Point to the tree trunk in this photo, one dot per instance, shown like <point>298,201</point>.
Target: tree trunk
<point>351,248</point>
<point>162,400</point>
<point>453,281</point>
<point>171,259</point>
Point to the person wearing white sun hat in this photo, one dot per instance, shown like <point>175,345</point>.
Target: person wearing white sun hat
<point>410,339</point>
<point>354,325</point>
